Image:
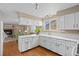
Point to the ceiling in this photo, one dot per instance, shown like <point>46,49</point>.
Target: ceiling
<point>29,8</point>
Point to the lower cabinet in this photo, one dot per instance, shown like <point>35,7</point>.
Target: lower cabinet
<point>34,42</point>
<point>42,41</point>
<point>27,43</point>
<point>23,44</point>
<point>60,46</point>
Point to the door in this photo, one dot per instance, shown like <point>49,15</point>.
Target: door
<point>1,38</point>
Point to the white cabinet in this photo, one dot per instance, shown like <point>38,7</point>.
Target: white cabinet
<point>42,41</point>
<point>23,44</point>
<point>52,44</point>
<point>25,21</point>
<point>70,48</point>
<point>69,22</point>
<point>34,41</point>
<point>26,43</point>
<point>60,46</point>
<point>37,22</point>
<point>60,22</point>
<point>76,20</point>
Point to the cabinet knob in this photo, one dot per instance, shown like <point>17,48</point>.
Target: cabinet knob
<point>67,48</point>
<point>77,25</point>
<point>74,25</point>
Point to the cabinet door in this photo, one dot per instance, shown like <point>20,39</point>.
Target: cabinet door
<point>60,48</point>
<point>24,45</point>
<point>69,51</point>
<point>60,22</point>
<point>53,24</point>
<point>30,43</point>
<point>69,21</point>
<point>70,48</point>
<point>76,20</point>
<point>60,45</point>
<point>35,41</point>
<point>47,42</point>
<point>43,41</point>
<point>52,44</point>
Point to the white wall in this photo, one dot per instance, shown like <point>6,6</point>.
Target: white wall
<point>1,38</point>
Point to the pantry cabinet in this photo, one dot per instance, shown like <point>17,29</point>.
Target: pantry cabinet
<point>69,22</point>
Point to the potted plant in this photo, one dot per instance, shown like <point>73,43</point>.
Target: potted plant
<point>37,30</point>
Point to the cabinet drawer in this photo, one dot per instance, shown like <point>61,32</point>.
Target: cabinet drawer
<point>61,41</point>
<point>52,40</point>
<point>71,43</point>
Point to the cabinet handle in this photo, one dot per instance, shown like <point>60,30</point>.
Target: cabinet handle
<point>67,48</point>
<point>74,25</point>
<point>77,25</point>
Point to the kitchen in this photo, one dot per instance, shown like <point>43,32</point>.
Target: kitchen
<point>56,33</point>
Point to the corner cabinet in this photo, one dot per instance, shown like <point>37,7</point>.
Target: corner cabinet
<point>69,22</point>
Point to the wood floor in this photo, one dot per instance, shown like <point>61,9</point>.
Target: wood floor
<point>11,49</point>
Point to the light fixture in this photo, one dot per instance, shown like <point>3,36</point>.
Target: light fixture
<point>36,6</point>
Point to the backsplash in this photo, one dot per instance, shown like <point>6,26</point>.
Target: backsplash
<point>68,34</point>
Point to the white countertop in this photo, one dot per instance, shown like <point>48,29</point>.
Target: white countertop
<point>61,37</point>
<point>71,38</point>
<point>28,35</point>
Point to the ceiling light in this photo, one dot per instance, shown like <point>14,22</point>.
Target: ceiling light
<point>36,6</point>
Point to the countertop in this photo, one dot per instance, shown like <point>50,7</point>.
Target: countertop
<point>71,38</point>
<point>75,39</point>
<point>28,35</point>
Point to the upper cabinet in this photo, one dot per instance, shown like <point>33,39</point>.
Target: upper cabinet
<point>25,21</point>
<point>53,24</point>
<point>60,22</point>
<point>77,20</point>
<point>65,22</point>
<point>37,22</point>
<point>69,22</point>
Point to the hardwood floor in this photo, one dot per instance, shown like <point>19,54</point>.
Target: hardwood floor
<point>11,49</point>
